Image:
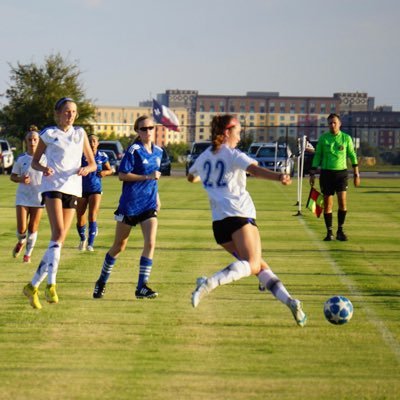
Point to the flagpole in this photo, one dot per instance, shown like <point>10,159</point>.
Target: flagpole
<point>300,172</point>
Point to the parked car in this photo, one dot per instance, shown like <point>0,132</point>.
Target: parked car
<point>253,148</point>
<point>113,160</point>
<point>114,145</point>
<point>196,150</point>
<point>6,156</point>
<point>165,167</point>
<point>277,157</point>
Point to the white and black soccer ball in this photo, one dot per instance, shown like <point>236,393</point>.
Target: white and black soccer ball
<point>338,310</point>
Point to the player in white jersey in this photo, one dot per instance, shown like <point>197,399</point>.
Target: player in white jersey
<point>28,200</point>
<point>222,170</point>
<point>61,185</point>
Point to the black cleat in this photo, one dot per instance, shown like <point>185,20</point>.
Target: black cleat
<point>145,293</point>
<point>340,235</point>
<point>99,290</point>
<point>329,237</point>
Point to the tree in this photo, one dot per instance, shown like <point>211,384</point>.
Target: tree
<point>35,89</point>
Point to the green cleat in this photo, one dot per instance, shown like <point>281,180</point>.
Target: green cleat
<point>32,294</point>
<point>51,294</point>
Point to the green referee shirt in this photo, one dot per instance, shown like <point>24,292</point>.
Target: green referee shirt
<point>333,150</point>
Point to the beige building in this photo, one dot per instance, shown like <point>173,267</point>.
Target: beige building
<point>119,120</point>
<point>267,116</point>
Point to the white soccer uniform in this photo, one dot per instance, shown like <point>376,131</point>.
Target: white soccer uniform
<point>224,178</point>
<point>64,153</point>
<point>28,195</point>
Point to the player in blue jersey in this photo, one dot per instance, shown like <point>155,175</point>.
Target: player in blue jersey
<point>138,205</point>
<point>61,185</point>
<point>91,195</point>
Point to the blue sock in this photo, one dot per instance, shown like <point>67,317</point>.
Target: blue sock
<point>108,265</point>
<point>144,271</point>
<point>81,232</point>
<point>92,232</point>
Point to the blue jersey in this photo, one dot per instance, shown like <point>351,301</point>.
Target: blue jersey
<point>138,197</point>
<point>91,183</point>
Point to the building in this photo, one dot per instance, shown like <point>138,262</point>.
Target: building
<point>119,120</point>
<point>268,116</point>
<point>183,99</point>
<point>379,128</point>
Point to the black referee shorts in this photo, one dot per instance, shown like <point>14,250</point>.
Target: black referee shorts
<point>332,182</point>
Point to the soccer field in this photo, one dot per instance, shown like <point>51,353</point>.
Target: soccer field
<point>239,343</point>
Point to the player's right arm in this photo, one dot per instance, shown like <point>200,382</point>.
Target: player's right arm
<point>36,159</point>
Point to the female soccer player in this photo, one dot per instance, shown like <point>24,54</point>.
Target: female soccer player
<point>138,205</point>
<point>91,195</point>
<point>28,200</point>
<point>61,185</point>
<point>222,169</point>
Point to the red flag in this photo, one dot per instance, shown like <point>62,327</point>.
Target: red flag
<point>315,202</point>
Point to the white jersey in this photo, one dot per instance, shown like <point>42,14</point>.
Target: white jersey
<point>64,153</point>
<point>224,178</point>
<point>28,195</point>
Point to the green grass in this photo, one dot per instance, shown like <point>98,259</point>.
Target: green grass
<point>239,343</point>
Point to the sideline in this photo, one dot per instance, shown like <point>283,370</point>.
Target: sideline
<point>386,334</point>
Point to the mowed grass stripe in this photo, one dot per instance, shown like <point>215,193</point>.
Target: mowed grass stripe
<point>240,343</point>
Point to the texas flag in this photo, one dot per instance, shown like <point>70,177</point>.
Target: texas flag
<point>163,115</point>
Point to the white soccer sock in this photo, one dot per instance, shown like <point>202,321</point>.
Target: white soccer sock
<point>53,258</point>
<point>30,243</point>
<point>40,273</point>
<point>21,237</point>
<point>274,285</point>
<point>233,272</point>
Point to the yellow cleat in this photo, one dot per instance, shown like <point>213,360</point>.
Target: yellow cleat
<point>32,294</point>
<point>51,294</point>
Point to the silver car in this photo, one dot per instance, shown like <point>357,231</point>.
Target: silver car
<point>6,157</point>
<point>276,157</point>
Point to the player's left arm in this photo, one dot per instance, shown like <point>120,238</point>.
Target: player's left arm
<point>354,162</point>
<point>264,173</point>
<point>87,151</point>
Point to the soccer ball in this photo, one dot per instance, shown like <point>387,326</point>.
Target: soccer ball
<point>338,310</point>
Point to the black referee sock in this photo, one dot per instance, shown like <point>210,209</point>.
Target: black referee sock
<point>328,221</point>
<point>341,218</point>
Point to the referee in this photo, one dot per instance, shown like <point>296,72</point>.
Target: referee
<point>333,149</point>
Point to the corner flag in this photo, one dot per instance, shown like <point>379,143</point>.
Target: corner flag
<point>315,202</point>
<point>164,116</point>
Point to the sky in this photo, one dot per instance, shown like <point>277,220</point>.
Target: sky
<point>129,51</point>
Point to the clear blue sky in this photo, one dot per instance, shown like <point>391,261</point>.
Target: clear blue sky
<point>129,50</point>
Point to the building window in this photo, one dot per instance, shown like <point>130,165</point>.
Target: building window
<point>282,107</point>
<point>272,108</point>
